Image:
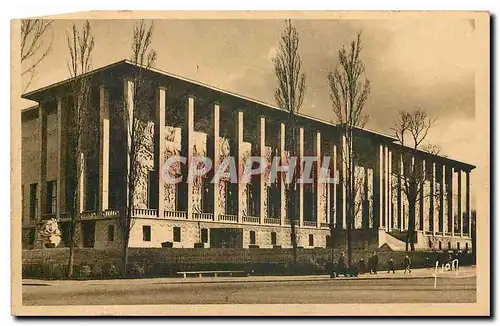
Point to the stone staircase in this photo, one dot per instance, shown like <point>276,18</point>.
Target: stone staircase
<point>402,235</point>
<point>394,243</point>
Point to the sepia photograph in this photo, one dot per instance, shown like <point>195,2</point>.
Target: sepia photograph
<point>251,163</point>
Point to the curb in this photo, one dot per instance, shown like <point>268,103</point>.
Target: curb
<point>306,280</point>
<point>246,280</point>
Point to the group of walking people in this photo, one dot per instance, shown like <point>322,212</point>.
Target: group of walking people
<point>341,268</point>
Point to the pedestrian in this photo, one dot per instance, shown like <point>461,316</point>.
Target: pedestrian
<point>361,266</point>
<point>456,257</point>
<point>333,272</point>
<point>390,266</point>
<point>341,265</point>
<point>374,263</point>
<point>407,264</point>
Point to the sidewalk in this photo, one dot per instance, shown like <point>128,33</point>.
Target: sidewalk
<point>463,272</point>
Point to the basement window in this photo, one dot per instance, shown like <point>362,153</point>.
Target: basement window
<point>146,232</point>
<point>252,237</point>
<point>328,241</point>
<point>111,232</point>
<point>273,238</point>
<point>204,235</point>
<point>177,234</point>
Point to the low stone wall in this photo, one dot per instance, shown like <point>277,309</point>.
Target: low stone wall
<point>155,262</point>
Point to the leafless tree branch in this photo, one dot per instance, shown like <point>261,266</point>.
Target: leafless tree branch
<point>32,50</point>
<point>349,92</point>
<point>411,129</point>
<point>82,124</point>
<point>289,96</point>
<point>136,120</point>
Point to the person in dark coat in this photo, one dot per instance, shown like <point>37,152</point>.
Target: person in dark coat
<point>390,266</point>
<point>341,265</point>
<point>374,263</point>
<point>407,264</point>
<point>457,256</point>
<point>361,266</point>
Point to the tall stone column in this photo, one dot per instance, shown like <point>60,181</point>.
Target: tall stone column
<point>82,183</point>
<point>366,198</point>
<point>103,148</point>
<point>344,162</point>
<point>381,171</point>
<point>459,202</point>
<point>442,189</point>
<point>389,189</point>
<point>425,198</point>
<point>281,176</point>
<point>318,185</point>
<point>434,200</point>
<point>467,202</point>
<point>189,153</point>
<point>300,186</point>
<point>454,202</point>
<point>329,191</point>
<point>416,221</point>
<point>424,210</point>
<point>334,186</point>
<point>42,152</point>
<point>386,187</point>
<point>419,207</point>
<point>161,98</point>
<point>261,147</point>
<point>359,181</point>
<point>451,201</point>
<point>400,193</point>
<point>215,158</point>
<point>239,163</point>
<point>61,163</point>
<point>128,87</point>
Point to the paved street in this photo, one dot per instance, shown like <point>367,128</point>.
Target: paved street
<point>381,288</point>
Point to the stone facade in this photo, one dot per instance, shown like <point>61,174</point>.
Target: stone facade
<point>190,234</point>
<point>259,212</point>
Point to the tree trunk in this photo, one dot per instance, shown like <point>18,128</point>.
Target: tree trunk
<point>75,208</point>
<point>293,151</point>
<point>349,219</point>
<point>71,255</point>
<point>294,227</point>
<point>125,258</point>
<point>473,242</point>
<point>350,195</point>
<point>294,242</point>
<point>126,239</point>
<point>331,240</point>
<point>411,226</point>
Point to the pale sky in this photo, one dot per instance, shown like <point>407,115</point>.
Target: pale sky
<point>426,63</point>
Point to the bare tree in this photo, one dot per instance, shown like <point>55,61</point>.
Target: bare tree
<point>33,50</point>
<point>349,92</point>
<point>411,129</point>
<point>80,121</point>
<point>433,149</point>
<point>473,235</point>
<point>136,121</point>
<point>289,96</point>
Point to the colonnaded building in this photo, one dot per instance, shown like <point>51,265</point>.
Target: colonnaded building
<point>188,118</point>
